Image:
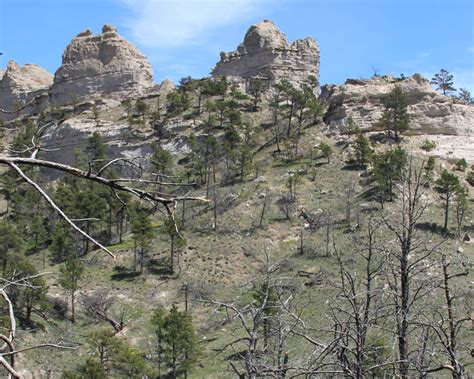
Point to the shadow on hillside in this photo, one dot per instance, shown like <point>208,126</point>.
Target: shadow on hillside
<point>160,267</point>
<point>353,166</point>
<point>123,273</point>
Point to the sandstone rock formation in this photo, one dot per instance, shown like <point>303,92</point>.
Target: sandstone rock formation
<point>20,85</point>
<point>266,53</point>
<point>431,112</point>
<point>100,65</point>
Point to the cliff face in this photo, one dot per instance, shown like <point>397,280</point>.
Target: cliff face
<point>266,53</point>
<point>430,112</point>
<point>19,85</point>
<point>98,65</point>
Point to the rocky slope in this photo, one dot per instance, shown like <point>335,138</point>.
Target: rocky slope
<point>103,64</point>
<point>431,112</point>
<point>266,53</point>
<point>19,85</point>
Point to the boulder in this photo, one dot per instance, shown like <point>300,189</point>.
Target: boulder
<point>100,65</point>
<point>266,53</point>
<point>430,112</point>
<point>21,85</point>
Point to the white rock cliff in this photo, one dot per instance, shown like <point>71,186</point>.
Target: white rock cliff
<point>100,65</point>
<point>266,53</point>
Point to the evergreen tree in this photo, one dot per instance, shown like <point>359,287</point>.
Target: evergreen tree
<point>387,171</point>
<point>363,151</point>
<point>448,185</point>
<point>70,275</point>
<point>395,117</point>
<point>61,242</point>
<point>443,81</point>
<point>465,96</point>
<point>326,151</point>
<point>176,240</point>
<point>161,160</point>
<point>177,345</point>
<point>10,241</point>
<point>30,297</point>
<point>142,230</point>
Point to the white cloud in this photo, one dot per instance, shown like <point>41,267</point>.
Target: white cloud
<point>174,23</point>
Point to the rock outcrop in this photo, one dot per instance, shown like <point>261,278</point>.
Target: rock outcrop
<point>266,53</point>
<point>430,112</point>
<point>100,65</point>
<point>20,85</point>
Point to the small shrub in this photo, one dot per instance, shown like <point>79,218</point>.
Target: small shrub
<point>470,178</point>
<point>461,165</point>
<point>428,145</point>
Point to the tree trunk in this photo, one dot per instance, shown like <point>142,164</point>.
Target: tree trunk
<point>446,214</point>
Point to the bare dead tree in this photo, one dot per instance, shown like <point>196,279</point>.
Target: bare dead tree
<point>408,276</point>
<point>264,326</point>
<point>100,305</point>
<point>355,313</point>
<point>446,322</point>
<point>8,351</point>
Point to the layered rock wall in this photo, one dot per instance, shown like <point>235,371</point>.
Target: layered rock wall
<point>266,53</point>
<point>23,85</point>
<point>430,112</point>
<point>100,65</point>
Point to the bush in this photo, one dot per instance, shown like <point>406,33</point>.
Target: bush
<point>470,178</point>
<point>428,145</point>
<point>461,165</point>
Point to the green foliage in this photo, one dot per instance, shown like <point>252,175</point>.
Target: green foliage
<point>90,369</point>
<point>97,149</point>
<point>143,233</point>
<point>61,242</point>
<point>470,177</point>
<point>256,88</point>
<point>70,275</point>
<point>141,108</point>
<point>161,160</point>
<point>443,81</point>
<point>177,342</point>
<point>388,168</point>
<point>448,185</point>
<point>177,103</point>
<point>326,151</point>
<point>110,356</point>
<point>362,148</point>
<point>465,96</point>
<point>429,168</point>
<point>428,145</point>
<point>461,165</point>
<point>26,129</point>
<point>395,117</point>
<point>31,297</point>
<point>10,242</point>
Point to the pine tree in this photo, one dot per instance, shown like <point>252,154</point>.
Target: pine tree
<point>142,230</point>
<point>448,185</point>
<point>443,81</point>
<point>9,242</point>
<point>177,341</point>
<point>33,296</point>
<point>395,117</point>
<point>70,275</point>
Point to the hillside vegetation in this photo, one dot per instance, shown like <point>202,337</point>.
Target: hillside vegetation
<point>254,243</point>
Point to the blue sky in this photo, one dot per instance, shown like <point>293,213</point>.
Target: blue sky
<point>184,37</point>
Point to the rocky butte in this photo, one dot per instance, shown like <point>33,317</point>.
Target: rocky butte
<point>20,85</point>
<point>98,65</point>
<point>266,53</point>
<point>430,112</point>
